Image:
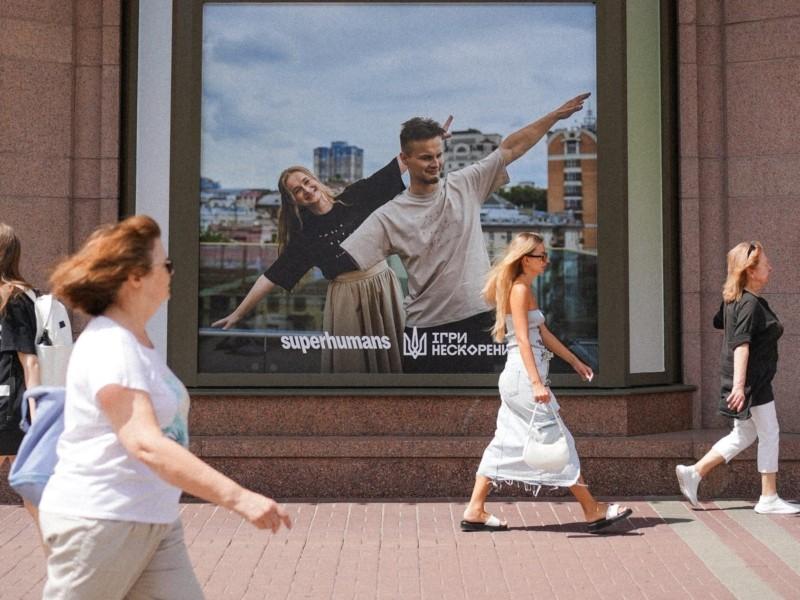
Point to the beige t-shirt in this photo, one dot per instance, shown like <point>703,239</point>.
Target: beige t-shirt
<point>439,239</point>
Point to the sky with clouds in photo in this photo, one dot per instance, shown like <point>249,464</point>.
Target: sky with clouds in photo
<point>282,79</point>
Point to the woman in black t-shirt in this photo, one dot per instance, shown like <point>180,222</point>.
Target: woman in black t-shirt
<point>748,364</point>
<point>311,225</point>
<point>19,367</point>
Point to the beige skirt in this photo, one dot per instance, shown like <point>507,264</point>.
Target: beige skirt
<point>367,305</point>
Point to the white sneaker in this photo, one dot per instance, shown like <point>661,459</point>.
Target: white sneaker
<point>776,506</point>
<point>688,480</point>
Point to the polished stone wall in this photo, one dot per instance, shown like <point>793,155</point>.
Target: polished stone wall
<point>59,124</point>
<point>739,71</point>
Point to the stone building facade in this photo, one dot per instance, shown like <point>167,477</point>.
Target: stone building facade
<point>738,69</point>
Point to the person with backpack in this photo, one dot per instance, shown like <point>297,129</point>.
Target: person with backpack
<point>109,513</point>
<point>19,366</point>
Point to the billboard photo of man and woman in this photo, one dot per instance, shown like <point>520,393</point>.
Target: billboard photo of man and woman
<point>347,224</point>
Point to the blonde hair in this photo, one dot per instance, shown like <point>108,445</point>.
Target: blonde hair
<point>290,220</point>
<point>741,257</point>
<point>497,290</point>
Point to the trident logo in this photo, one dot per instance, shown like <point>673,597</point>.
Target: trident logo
<point>416,345</point>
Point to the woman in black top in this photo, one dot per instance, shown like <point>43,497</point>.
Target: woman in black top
<point>19,368</point>
<point>311,225</point>
<point>748,364</point>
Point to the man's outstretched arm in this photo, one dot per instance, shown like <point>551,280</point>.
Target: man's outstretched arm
<point>519,142</point>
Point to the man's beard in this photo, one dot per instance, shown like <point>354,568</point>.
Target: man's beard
<point>429,179</point>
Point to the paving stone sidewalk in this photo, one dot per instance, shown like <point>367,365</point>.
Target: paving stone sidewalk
<point>408,550</point>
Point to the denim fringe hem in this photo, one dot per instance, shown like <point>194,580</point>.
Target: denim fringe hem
<point>531,488</point>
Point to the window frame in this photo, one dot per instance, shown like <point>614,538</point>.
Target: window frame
<point>613,333</point>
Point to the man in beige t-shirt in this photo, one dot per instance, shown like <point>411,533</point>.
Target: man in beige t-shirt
<point>434,227</point>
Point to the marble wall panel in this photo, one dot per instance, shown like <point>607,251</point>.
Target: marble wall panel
<point>43,227</point>
<point>748,10</point>
<point>35,40</point>
<point>48,11</point>
<point>36,113</point>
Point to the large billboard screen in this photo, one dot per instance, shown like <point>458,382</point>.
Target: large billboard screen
<point>335,269</point>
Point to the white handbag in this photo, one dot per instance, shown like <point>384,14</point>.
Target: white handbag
<point>546,448</point>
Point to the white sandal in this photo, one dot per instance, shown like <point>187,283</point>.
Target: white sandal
<point>613,515</point>
<point>491,524</point>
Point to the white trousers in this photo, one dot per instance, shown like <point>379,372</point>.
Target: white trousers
<point>762,425</point>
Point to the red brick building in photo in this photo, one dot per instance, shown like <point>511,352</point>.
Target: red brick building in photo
<point>572,175</point>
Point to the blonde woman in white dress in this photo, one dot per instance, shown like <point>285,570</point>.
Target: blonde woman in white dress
<point>524,384</point>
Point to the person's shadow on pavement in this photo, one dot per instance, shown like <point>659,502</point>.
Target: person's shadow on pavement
<point>629,526</point>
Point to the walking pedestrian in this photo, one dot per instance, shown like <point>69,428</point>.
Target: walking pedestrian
<point>109,514</point>
<point>748,363</point>
<point>19,367</point>
<point>525,392</point>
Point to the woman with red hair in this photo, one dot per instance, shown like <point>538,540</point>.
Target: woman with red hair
<point>109,514</point>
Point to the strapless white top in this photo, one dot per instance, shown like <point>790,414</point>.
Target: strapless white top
<point>535,318</point>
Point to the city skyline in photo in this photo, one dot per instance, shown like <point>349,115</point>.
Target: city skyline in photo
<point>281,80</point>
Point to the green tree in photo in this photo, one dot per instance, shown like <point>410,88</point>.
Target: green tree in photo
<point>526,196</point>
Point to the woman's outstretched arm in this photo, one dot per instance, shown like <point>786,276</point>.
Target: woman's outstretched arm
<point>555,346</point>
<point>257,293</point>
<point>133,418</point>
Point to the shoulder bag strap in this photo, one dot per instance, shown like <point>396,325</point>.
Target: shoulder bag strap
<point>40,321</point>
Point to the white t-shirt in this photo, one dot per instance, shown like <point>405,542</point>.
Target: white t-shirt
<point>439,239</point>
<point>95,477</point>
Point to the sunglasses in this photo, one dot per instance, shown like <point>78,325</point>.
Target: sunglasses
<point>751,249</point>
<point>169,266</point>
<point>542,256</point>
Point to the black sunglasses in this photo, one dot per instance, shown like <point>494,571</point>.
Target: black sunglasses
<point>543,255</point>
<point>751,249</point>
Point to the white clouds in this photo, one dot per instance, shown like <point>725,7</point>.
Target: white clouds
<point>280,80</point>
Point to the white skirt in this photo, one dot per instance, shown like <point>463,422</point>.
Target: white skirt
<point>502,460</point>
